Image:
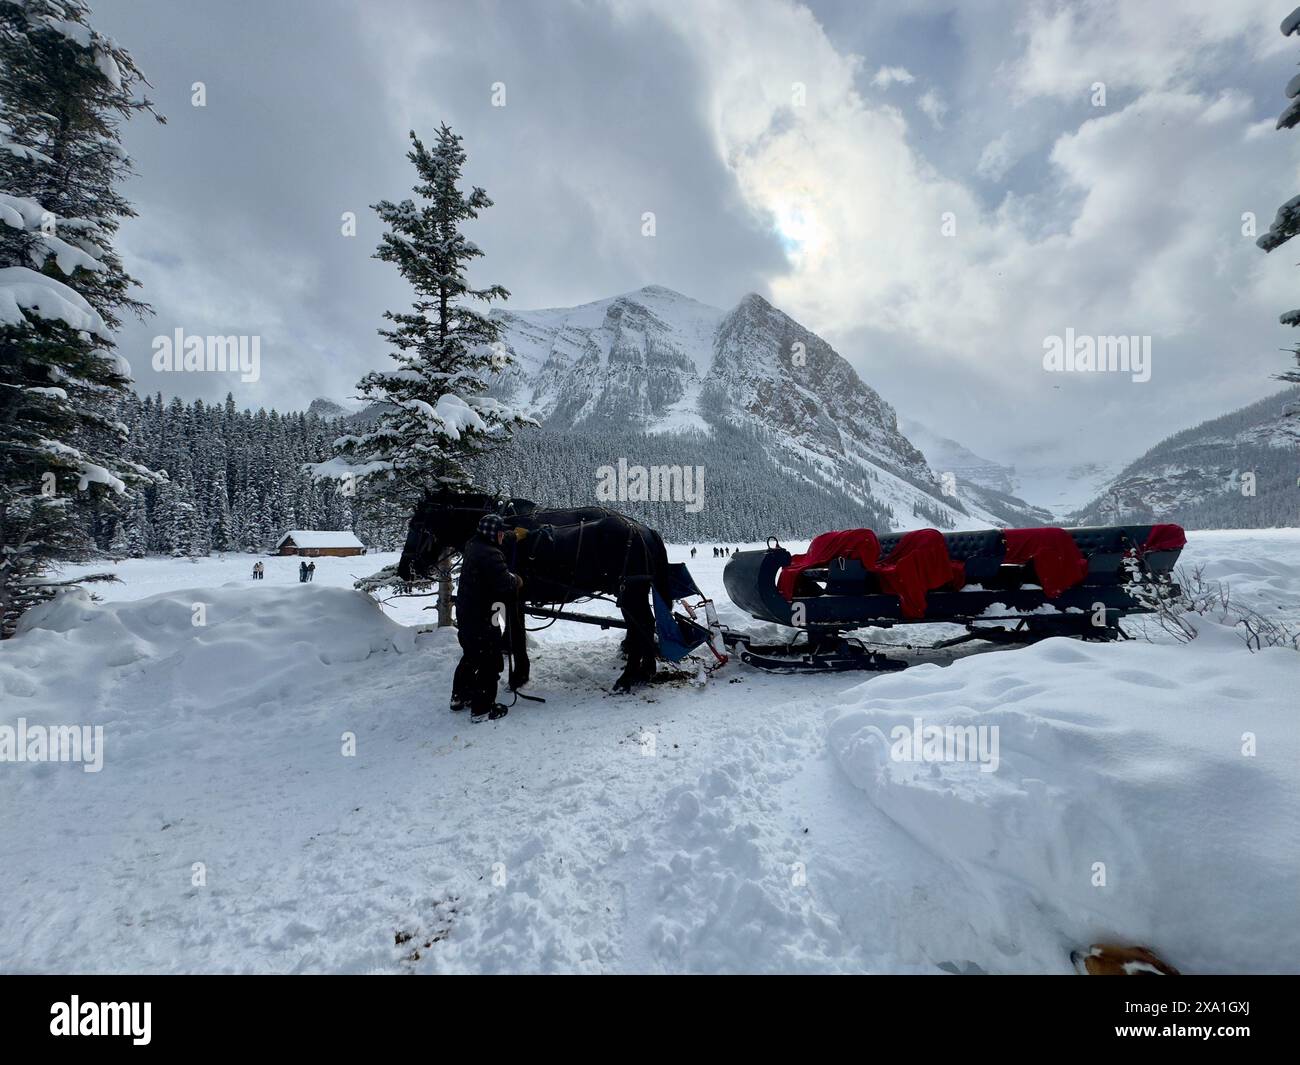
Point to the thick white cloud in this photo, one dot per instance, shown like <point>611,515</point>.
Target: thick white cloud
<point>1142,204</point>
<point>1140,45</point>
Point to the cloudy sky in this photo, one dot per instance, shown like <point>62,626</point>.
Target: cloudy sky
<point>1124,218</point>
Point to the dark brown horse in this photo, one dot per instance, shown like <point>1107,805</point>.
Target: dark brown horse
<point>562,555</point>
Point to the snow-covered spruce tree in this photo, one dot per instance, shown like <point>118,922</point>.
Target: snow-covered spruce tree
<point>222,530</point>
<point>64,90</point>
<point>436,417</point>
<point>1287,222</point>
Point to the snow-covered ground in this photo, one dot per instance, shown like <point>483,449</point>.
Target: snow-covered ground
<point>1141,792</point>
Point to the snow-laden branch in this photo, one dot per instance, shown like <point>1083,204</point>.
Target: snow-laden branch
<point>339,469</point>
<point>450,417</point>
<point>87,472</point>
<point>24,290</point>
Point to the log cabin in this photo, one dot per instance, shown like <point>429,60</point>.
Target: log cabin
<point>316,542</point>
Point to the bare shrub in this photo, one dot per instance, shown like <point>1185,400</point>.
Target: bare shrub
<point>1176,599</point>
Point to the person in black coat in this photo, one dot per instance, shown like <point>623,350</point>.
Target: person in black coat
<point>486,587</point>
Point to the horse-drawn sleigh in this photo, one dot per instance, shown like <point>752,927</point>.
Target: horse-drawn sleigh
<point>1002,585</point>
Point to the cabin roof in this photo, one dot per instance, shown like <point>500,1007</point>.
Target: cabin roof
<point>320,538</point>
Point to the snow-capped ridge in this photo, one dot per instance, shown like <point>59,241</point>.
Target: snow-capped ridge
<point>1234,471</point>
<point>657,361</point>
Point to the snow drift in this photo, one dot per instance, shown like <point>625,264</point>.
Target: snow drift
<point>1138,794</point>
<point>205,647</point>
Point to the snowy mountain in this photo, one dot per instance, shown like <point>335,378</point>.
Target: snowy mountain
<point>1235,471</point>
<point>327,408</point>
<point>1058,490</point>
<point>989,486</point>
<point>654,363</point>
<point>1064,489</point>
<point>948,456</point>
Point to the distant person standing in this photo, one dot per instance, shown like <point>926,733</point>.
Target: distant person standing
<point>302,571</point>
<point>311,571</point>
<point>692,552</point>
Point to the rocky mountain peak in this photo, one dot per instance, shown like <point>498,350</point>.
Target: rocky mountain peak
<point>326,408</point>
<point>656,361</point>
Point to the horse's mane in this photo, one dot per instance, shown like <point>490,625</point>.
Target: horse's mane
<point>476,501</point>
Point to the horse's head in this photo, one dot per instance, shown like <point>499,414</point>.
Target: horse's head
<point>445,521</point>
<point>440,523</point>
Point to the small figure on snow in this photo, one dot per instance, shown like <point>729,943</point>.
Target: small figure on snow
<point>486,586</point>
<point>302,571</point>
<point>311,571</point>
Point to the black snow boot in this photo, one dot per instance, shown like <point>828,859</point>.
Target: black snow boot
<point>492,713</point>
<point>458,703</point>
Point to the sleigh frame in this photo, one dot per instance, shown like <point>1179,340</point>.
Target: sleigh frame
<point>1000,603</point>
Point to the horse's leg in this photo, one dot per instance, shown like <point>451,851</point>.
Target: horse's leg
<point>634,603</point>
<point>517,643</point>
<point>649,649</point>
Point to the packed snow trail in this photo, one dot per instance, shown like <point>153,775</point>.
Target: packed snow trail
<point>749,824</point>
<point>541,829</point>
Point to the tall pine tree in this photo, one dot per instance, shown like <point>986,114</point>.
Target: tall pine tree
<point>64,91</point>
<point>1287,222</point>
<point>436,416</point>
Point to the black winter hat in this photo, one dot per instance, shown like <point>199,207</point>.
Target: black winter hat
<point>489,525</point>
